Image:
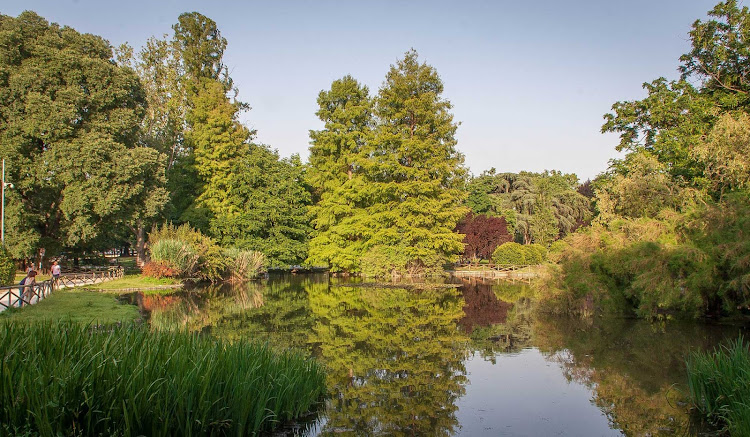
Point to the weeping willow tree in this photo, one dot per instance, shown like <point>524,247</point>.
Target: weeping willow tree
<point>539,207</point>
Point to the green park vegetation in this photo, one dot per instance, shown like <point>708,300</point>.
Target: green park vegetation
<point>130,282</point>
<point>184,252</point>
<point>80,306</point>
<point>670,233</point>
<point>115,148</point>
<point>719,386</point>
<point>519,254</point>
<point>147,383</point>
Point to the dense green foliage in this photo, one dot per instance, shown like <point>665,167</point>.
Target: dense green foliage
<point>270,201</point>
<point>394,195</point>
<point>535,253</point>
<point>130,381</point>
<point>509,253</point>
<point>69,137</point>
<point>241,194</point>
<point>7,268</point>
<point>719,385</point>
<point>670,236</point>
<point>538,207</point>
<point>336,176</point>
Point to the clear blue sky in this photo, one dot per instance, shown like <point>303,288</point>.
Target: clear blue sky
<point>529,81</point>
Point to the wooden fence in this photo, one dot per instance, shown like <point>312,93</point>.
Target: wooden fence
<point>18,295</point>
<point>510,271</point>
<point>74,279</point>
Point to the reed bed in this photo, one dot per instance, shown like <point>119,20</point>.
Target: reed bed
<point>719,385</point>
<point>72,379</point>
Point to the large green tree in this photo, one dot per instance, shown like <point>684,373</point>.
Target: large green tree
<point>335,175</point>
<point>271,201</point>
<point>70,121</point>
<point>414,173</point>
<point>390,191</point>
<point>676,115</point>
<point>218,142</point>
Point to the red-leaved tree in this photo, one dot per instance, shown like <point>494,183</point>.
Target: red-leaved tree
<point>482,234</point>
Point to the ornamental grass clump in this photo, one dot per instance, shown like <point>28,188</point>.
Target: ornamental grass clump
<point>175,254</point>
<point>210,263</point>
<point>69,379</point>
<point>719,385</point>
<point>243,265</point>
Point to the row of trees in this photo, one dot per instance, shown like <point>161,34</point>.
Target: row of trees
<point>101,150</point>
<point>103,145</point>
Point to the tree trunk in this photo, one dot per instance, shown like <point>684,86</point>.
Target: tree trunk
<point>140,244</point>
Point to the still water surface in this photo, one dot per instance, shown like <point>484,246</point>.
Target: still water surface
<point>469,359</point>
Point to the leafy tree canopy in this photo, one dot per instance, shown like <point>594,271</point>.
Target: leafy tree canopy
<point>272,200</point>
<point>70,122</point>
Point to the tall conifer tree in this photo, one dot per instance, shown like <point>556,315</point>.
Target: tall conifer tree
<point>337,153</point>
<point>415,174</point>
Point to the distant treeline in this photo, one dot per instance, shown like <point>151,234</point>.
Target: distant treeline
<point>103,145</point>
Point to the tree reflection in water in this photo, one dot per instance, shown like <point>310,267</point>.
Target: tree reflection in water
<point>635,369</point>
<point>396,356</point>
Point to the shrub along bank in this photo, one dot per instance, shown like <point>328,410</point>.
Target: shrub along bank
<point>686,264</point>
<point>72,379</point>
<point>184,252</point>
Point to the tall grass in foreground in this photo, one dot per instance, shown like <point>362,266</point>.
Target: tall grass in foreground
<point>719,384</point>
<point>73,379</point>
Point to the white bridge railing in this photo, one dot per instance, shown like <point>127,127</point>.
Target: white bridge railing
<point>20,295</point>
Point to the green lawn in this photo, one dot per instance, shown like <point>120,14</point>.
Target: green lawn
<point>75,305</point>
<point>39,277</point>
<point>132,281</point>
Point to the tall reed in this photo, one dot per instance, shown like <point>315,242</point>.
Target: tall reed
<point>719,385</point>
<point>70,379</point>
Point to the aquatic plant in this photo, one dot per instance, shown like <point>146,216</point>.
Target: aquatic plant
<point>719,385</point>
<point>72,379</point>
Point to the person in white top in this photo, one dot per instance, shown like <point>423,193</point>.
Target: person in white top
<point>55,270</point>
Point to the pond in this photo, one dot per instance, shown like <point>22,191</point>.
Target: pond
<point>470,358</point>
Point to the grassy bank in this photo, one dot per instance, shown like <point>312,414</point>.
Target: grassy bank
<point>133,282</point>
<point>719,384</point>
<point>129,381</point>
<point>74,305</point>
